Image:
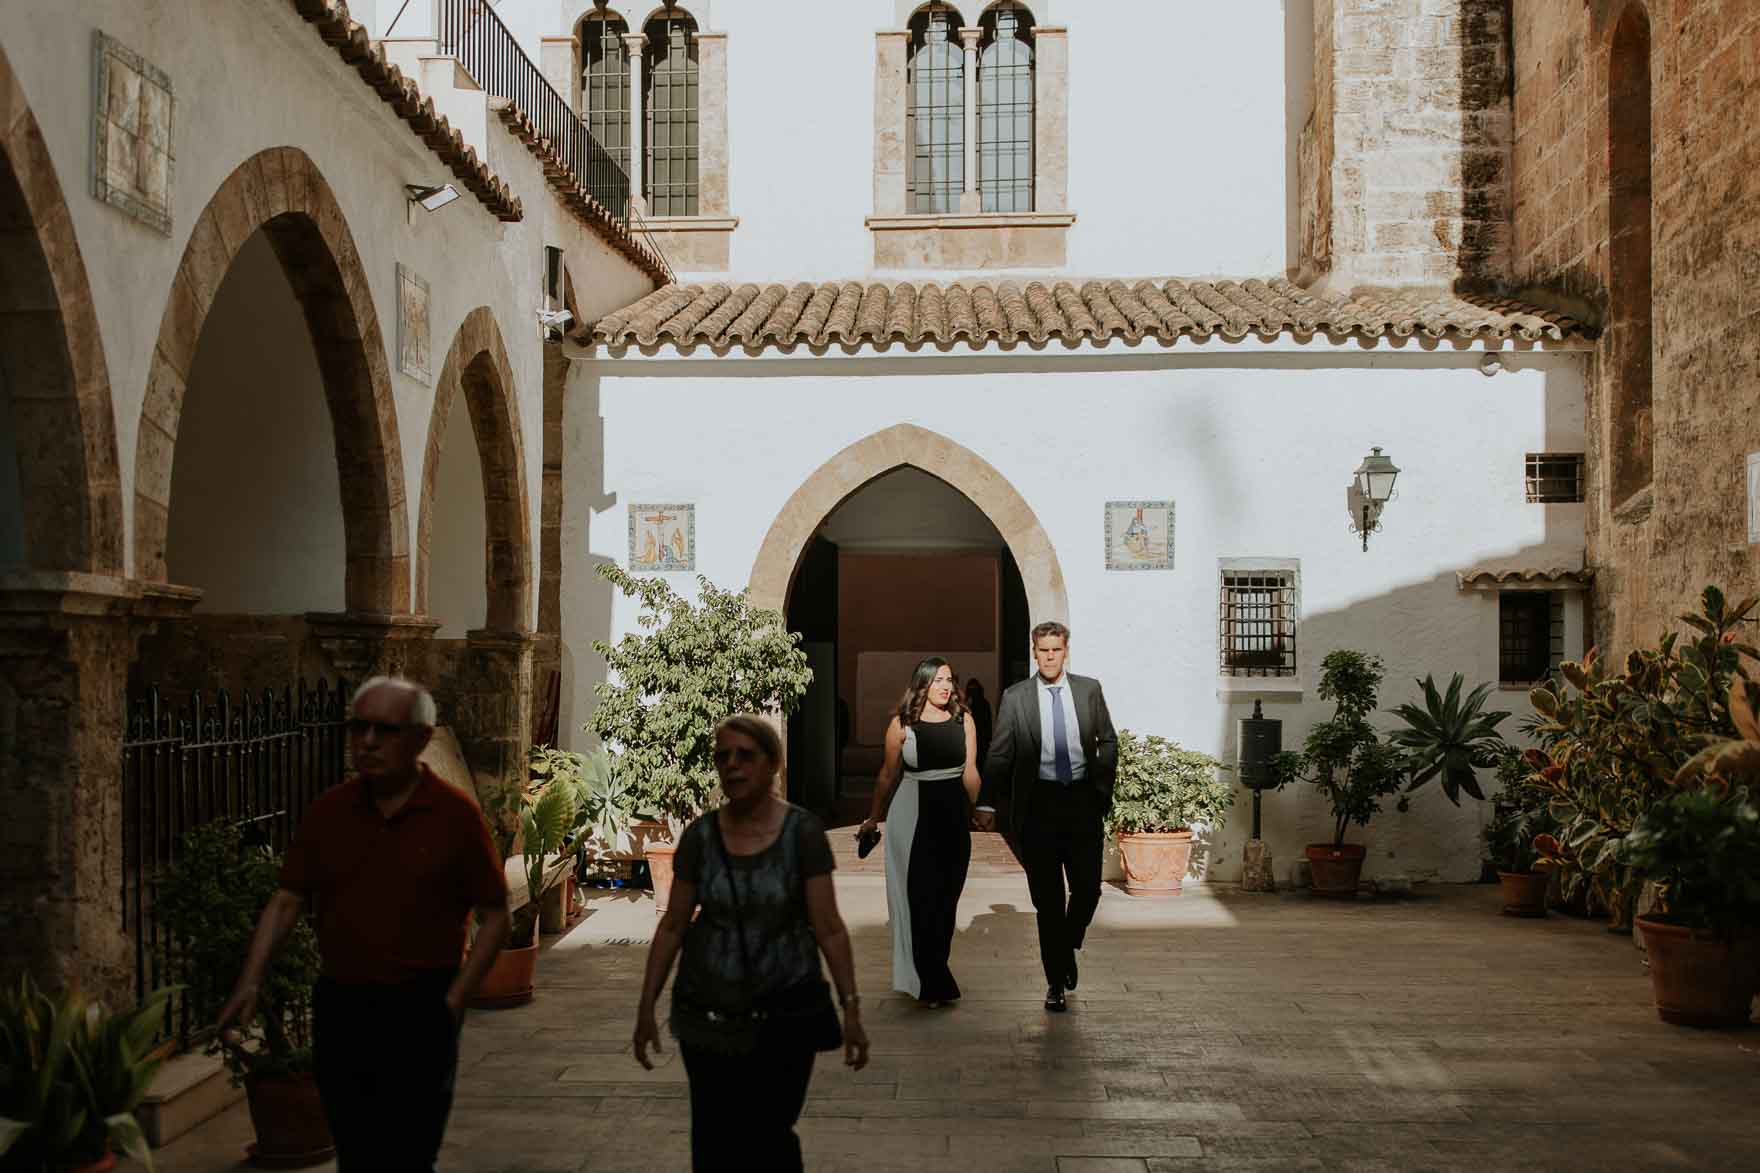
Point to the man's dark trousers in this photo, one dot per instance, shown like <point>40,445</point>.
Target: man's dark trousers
<point>386,1059</point>
<point>1061,842</point>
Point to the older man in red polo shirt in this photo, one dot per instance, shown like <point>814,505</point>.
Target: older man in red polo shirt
<point>394,860</point>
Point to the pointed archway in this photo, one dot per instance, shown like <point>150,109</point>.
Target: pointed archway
<point>896,447</point>
<point>477,372</point>
<point>281,192</point>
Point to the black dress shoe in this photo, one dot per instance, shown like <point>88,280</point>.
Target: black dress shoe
<point>1054,1000</point>
<point>1069,981</point>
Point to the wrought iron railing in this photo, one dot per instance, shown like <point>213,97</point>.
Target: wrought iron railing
<point>259,762</point>
<point>472,32</point>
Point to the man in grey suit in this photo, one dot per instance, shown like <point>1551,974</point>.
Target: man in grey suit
<point>1052,762</point>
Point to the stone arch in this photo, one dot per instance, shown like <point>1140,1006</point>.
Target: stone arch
<point>53,361</point>
<point>281,192</point>
<point>477,370</point>
<point>907,444</point>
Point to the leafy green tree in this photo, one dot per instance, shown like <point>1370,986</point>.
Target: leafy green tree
<point>1345,757</point>
<point>1161,787</point>
<point>692,665</point>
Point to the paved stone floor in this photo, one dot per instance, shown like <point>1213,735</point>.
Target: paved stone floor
<point>1216,1030</point>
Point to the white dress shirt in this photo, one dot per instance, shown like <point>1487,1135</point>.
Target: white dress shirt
<point>1072,730</point>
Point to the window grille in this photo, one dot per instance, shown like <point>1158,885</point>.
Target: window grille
<point>1530,641</point>
<point>935,113</point>
<point>1258,623</point>
<point>1555,477</point>
<point>671,112</point>
<point>605,84</point>
<point>1005,110</point>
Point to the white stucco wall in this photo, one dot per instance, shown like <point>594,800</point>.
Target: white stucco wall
<point>249,75</point>
<point>1257,450</point>
<point>256,518</point>
<point>456,593</point>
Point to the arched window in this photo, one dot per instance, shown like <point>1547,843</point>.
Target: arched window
<point>935,112</point>
<point>1628,132</point>
<point>605,83</point>
<point>671,106</point>
<point>1005,109</point>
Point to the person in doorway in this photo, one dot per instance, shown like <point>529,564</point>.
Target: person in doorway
<point>751,910</point>
<point>928,781</point>
<point>1051,769</point>
<point>395,860</point>
<point>983,719</point>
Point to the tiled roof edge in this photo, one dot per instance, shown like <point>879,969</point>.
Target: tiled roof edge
<point>350,40</point>
<point>1481,577</point>
<point>574,195</point>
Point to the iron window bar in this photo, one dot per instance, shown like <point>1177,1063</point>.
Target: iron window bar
<point>1005,110</point>
<point>935,113</point>
<point>1554,477</point>
<point>671,111</point>
<point>472,33</point>
<point>1526,639</point>
<point>1258,623</point>
<point>605,83</point>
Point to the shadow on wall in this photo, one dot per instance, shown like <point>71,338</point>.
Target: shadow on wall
<point>586,598</point>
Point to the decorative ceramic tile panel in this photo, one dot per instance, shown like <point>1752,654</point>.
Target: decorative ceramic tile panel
<point>1139,535</point>
<point>662,537</point>
<point>414,342</point>
<point>132,158</point>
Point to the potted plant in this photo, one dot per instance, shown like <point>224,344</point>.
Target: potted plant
<point>1615,741</point>
<point>71,1076</point>
<point>692,665</point>
<point>1519,815</point>
<point>1701,847</point>
<point>1160,792</point>
<point>1346,758</point>
<point>543,813</point>
<point>208,901</point>
<point>601,811</point>
<point>1449,738</point>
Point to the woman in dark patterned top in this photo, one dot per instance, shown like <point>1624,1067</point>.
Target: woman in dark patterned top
<point>930,777</point>
<point>752,908</point>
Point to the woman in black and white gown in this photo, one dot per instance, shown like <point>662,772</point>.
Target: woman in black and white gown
<point>930,776</point>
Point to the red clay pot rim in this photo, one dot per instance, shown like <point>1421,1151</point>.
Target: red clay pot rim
<point>1154,834</point>
<point>1336,851</point>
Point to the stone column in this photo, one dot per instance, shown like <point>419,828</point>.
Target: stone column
<point>559,58</point>
<point>360,645</point>
<point>712,144</point>
<point>969,200</point>
<point>1050,119</point>
<point>65,646</point>
<point>633,43</point>
<point>890,147</point>
<point>490,705</point>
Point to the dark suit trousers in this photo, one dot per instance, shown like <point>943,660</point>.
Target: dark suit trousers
<point>1061,843</point>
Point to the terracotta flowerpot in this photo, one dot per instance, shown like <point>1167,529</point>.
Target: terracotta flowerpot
<point>509,980</point>
<point>1335,868</point>
<point>1154,861</point>
<point>1697,979</point>
<point>659,857</point>
<point>103,1164</point>
<point>289,1122</point>
<point>1524,893</point>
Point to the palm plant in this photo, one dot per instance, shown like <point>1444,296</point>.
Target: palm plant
<point>1449,738</point>
<point>71,1077</point>
<point>543,814</point>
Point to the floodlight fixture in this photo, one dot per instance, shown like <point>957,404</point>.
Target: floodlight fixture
<point>431,198</point>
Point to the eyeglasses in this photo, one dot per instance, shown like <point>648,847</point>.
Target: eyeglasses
<point>359,726</point>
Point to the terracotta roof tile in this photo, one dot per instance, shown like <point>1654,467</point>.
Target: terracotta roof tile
<point>853,314</point>
<point>1491,577</point>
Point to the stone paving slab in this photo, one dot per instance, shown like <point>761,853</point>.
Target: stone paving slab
<point>1217,1030</point>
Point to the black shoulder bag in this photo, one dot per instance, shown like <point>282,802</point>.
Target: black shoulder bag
<point>802,1014</point>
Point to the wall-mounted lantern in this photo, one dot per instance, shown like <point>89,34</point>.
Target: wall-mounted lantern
<point>1374,485</point>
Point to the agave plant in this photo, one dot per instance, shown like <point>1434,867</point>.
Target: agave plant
<point>1449,738</point>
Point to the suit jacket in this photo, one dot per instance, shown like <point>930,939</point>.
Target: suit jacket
<point>1012,768</point>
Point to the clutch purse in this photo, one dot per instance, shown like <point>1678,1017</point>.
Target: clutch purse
<point>866,841</point>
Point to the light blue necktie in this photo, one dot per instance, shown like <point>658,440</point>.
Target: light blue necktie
<point>1060,738</point>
